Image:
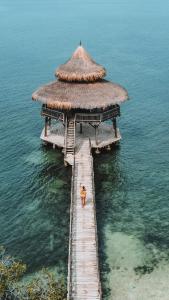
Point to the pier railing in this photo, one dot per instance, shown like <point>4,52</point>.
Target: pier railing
<point>69,276</point>
<point>52,113</point>
<point>74,133</point>
<point>112,113</point>
<point>98,117</point>
<point>65,138</point>
<point>96,236</point>
<point>81,117</point>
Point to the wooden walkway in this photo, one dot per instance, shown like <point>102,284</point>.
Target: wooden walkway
<point>83,266</point>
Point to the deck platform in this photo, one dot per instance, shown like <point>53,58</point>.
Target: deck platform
<point>106,136</point>
<point>83,275</point>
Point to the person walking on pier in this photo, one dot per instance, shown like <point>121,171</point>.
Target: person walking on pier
<point>83,195</point>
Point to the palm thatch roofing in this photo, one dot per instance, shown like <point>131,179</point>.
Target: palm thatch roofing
<point>66,95</point>
<point>80,67</point>
<point>80,86</point>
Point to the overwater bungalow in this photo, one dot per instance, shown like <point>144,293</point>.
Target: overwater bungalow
<point>77,108</point>
<point>79,104</point>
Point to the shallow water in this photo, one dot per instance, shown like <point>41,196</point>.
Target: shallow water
<point>131,39</point>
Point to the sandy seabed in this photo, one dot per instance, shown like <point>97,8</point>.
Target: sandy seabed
<point>125,254</point>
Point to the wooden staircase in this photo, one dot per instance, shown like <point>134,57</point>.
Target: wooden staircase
<point>69,147</point>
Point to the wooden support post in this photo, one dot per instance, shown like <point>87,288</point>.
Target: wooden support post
<point>65,163</point>
<point>96,134</point>
<point>97,151</point>
<point>46,124</point>
<point>49,121</point>
<point>115,127</point>
<point>80,127</point>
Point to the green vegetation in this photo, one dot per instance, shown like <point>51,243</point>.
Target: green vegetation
<point>43,287</point>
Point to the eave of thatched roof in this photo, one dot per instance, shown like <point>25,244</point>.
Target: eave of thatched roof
<point>81,67</point>
<point>66,96</point>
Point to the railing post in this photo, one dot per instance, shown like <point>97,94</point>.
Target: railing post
<point>80,127</point>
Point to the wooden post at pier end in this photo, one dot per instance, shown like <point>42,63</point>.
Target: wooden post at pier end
<point>96,133</point>
<point>115,126</point>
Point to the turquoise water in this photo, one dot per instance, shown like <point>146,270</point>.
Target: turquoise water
<point>130,38</point>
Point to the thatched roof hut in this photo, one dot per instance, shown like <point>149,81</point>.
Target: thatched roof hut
<point>80,85</point>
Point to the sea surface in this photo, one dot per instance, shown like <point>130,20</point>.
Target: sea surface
<point>130,38</point>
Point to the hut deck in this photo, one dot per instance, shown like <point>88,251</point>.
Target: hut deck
<point>84,269</point>
<point>55,135</point>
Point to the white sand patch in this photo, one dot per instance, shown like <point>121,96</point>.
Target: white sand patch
<point>126,253</point>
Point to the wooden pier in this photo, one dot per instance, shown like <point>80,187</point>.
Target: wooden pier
<point>80,110</point>
<point>83,266</point>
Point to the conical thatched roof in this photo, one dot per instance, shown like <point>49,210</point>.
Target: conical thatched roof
<point>80,86</point>
<point>81,67</point>
<point>66,95</point>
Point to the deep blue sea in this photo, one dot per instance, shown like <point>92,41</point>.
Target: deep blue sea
<point>130,38</point>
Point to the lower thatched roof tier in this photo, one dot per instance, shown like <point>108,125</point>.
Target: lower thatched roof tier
<point>65,96</point>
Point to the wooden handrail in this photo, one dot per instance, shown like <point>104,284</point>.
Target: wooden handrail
<point>114,112</point>
<point>65,141</point>
<point>69,277</point>
<point>96,240</point>
<point>97,247</point>
<point>52,113</point>
<point>82,117</point>
<point>74,133</point>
